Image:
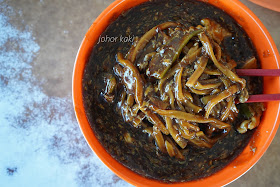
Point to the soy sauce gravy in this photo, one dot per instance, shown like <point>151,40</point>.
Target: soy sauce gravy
<point>131,146</point>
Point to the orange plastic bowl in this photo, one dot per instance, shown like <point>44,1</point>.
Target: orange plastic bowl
<point>263,136</point>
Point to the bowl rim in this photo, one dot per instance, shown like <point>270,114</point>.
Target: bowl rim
<point>113,11</point>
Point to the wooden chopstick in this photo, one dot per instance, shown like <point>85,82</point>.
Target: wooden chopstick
<point>258,72</point>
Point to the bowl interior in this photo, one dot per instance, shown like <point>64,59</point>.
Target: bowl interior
<point>268,55</point>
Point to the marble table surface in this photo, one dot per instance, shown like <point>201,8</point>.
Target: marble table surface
<point>40,141</point>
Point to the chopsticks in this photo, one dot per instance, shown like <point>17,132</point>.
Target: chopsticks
<point>263,73</point>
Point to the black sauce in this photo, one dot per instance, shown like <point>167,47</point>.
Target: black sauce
<point>142,156</point>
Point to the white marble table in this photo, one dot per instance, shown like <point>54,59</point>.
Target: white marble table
<point>40,141</point>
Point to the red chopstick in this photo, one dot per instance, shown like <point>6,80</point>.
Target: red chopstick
<point>263,98</point>
<point>258,72</point>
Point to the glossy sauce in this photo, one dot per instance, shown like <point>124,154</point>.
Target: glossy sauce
<point>134,147</point>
